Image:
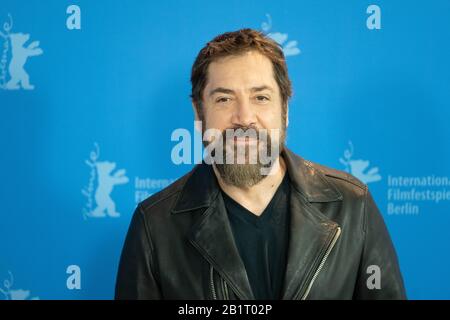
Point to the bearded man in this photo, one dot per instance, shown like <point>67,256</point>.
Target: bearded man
<point>254,220</point>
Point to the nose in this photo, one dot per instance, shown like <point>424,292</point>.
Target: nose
<point>244,114</point>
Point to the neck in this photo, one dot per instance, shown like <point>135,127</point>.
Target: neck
<point>257,197</point>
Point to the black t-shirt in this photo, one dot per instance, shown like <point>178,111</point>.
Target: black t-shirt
<point>262,241</point>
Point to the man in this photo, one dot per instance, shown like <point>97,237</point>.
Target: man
<point>255,229</point>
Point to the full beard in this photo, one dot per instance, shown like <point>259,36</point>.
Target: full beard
<point>247,164</point>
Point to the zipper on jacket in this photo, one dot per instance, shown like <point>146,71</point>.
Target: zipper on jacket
<point>225,290</point>
<point>211,273</point>
<point>322,262</point>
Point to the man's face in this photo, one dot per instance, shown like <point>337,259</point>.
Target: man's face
<point>241,93</point>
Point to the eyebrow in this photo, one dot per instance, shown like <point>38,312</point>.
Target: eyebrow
<point>229,91</point>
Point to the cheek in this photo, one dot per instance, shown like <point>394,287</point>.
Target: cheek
<point>271,119</point>
<point>216,121</point>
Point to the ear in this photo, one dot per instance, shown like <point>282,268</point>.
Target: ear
<point>198,124</point>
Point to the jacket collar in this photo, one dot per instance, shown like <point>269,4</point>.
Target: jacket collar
<point>310,230</point>
<point>202,188</point>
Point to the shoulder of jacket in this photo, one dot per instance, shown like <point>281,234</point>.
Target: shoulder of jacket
<point>165,194</point>
<point>339,175</point>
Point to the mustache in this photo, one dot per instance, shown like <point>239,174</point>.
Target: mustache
<point>241,131</point>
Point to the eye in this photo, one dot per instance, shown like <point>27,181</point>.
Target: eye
<point>223,99</point>
<point>262,98</point>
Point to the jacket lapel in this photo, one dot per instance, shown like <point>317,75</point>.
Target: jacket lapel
<point>309,237</point>
<point>211,233</point>
<point>213,238</point>
<point>310,231</point>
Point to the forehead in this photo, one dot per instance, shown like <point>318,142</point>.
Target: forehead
<point>248,69</point>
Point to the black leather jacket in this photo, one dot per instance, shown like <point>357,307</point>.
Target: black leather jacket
<point>180,244</point>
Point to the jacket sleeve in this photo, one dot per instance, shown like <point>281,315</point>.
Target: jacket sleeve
<point>136,278</point>
<point>379,275</point>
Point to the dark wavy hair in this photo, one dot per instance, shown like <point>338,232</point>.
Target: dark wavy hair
<point>235,43</point>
